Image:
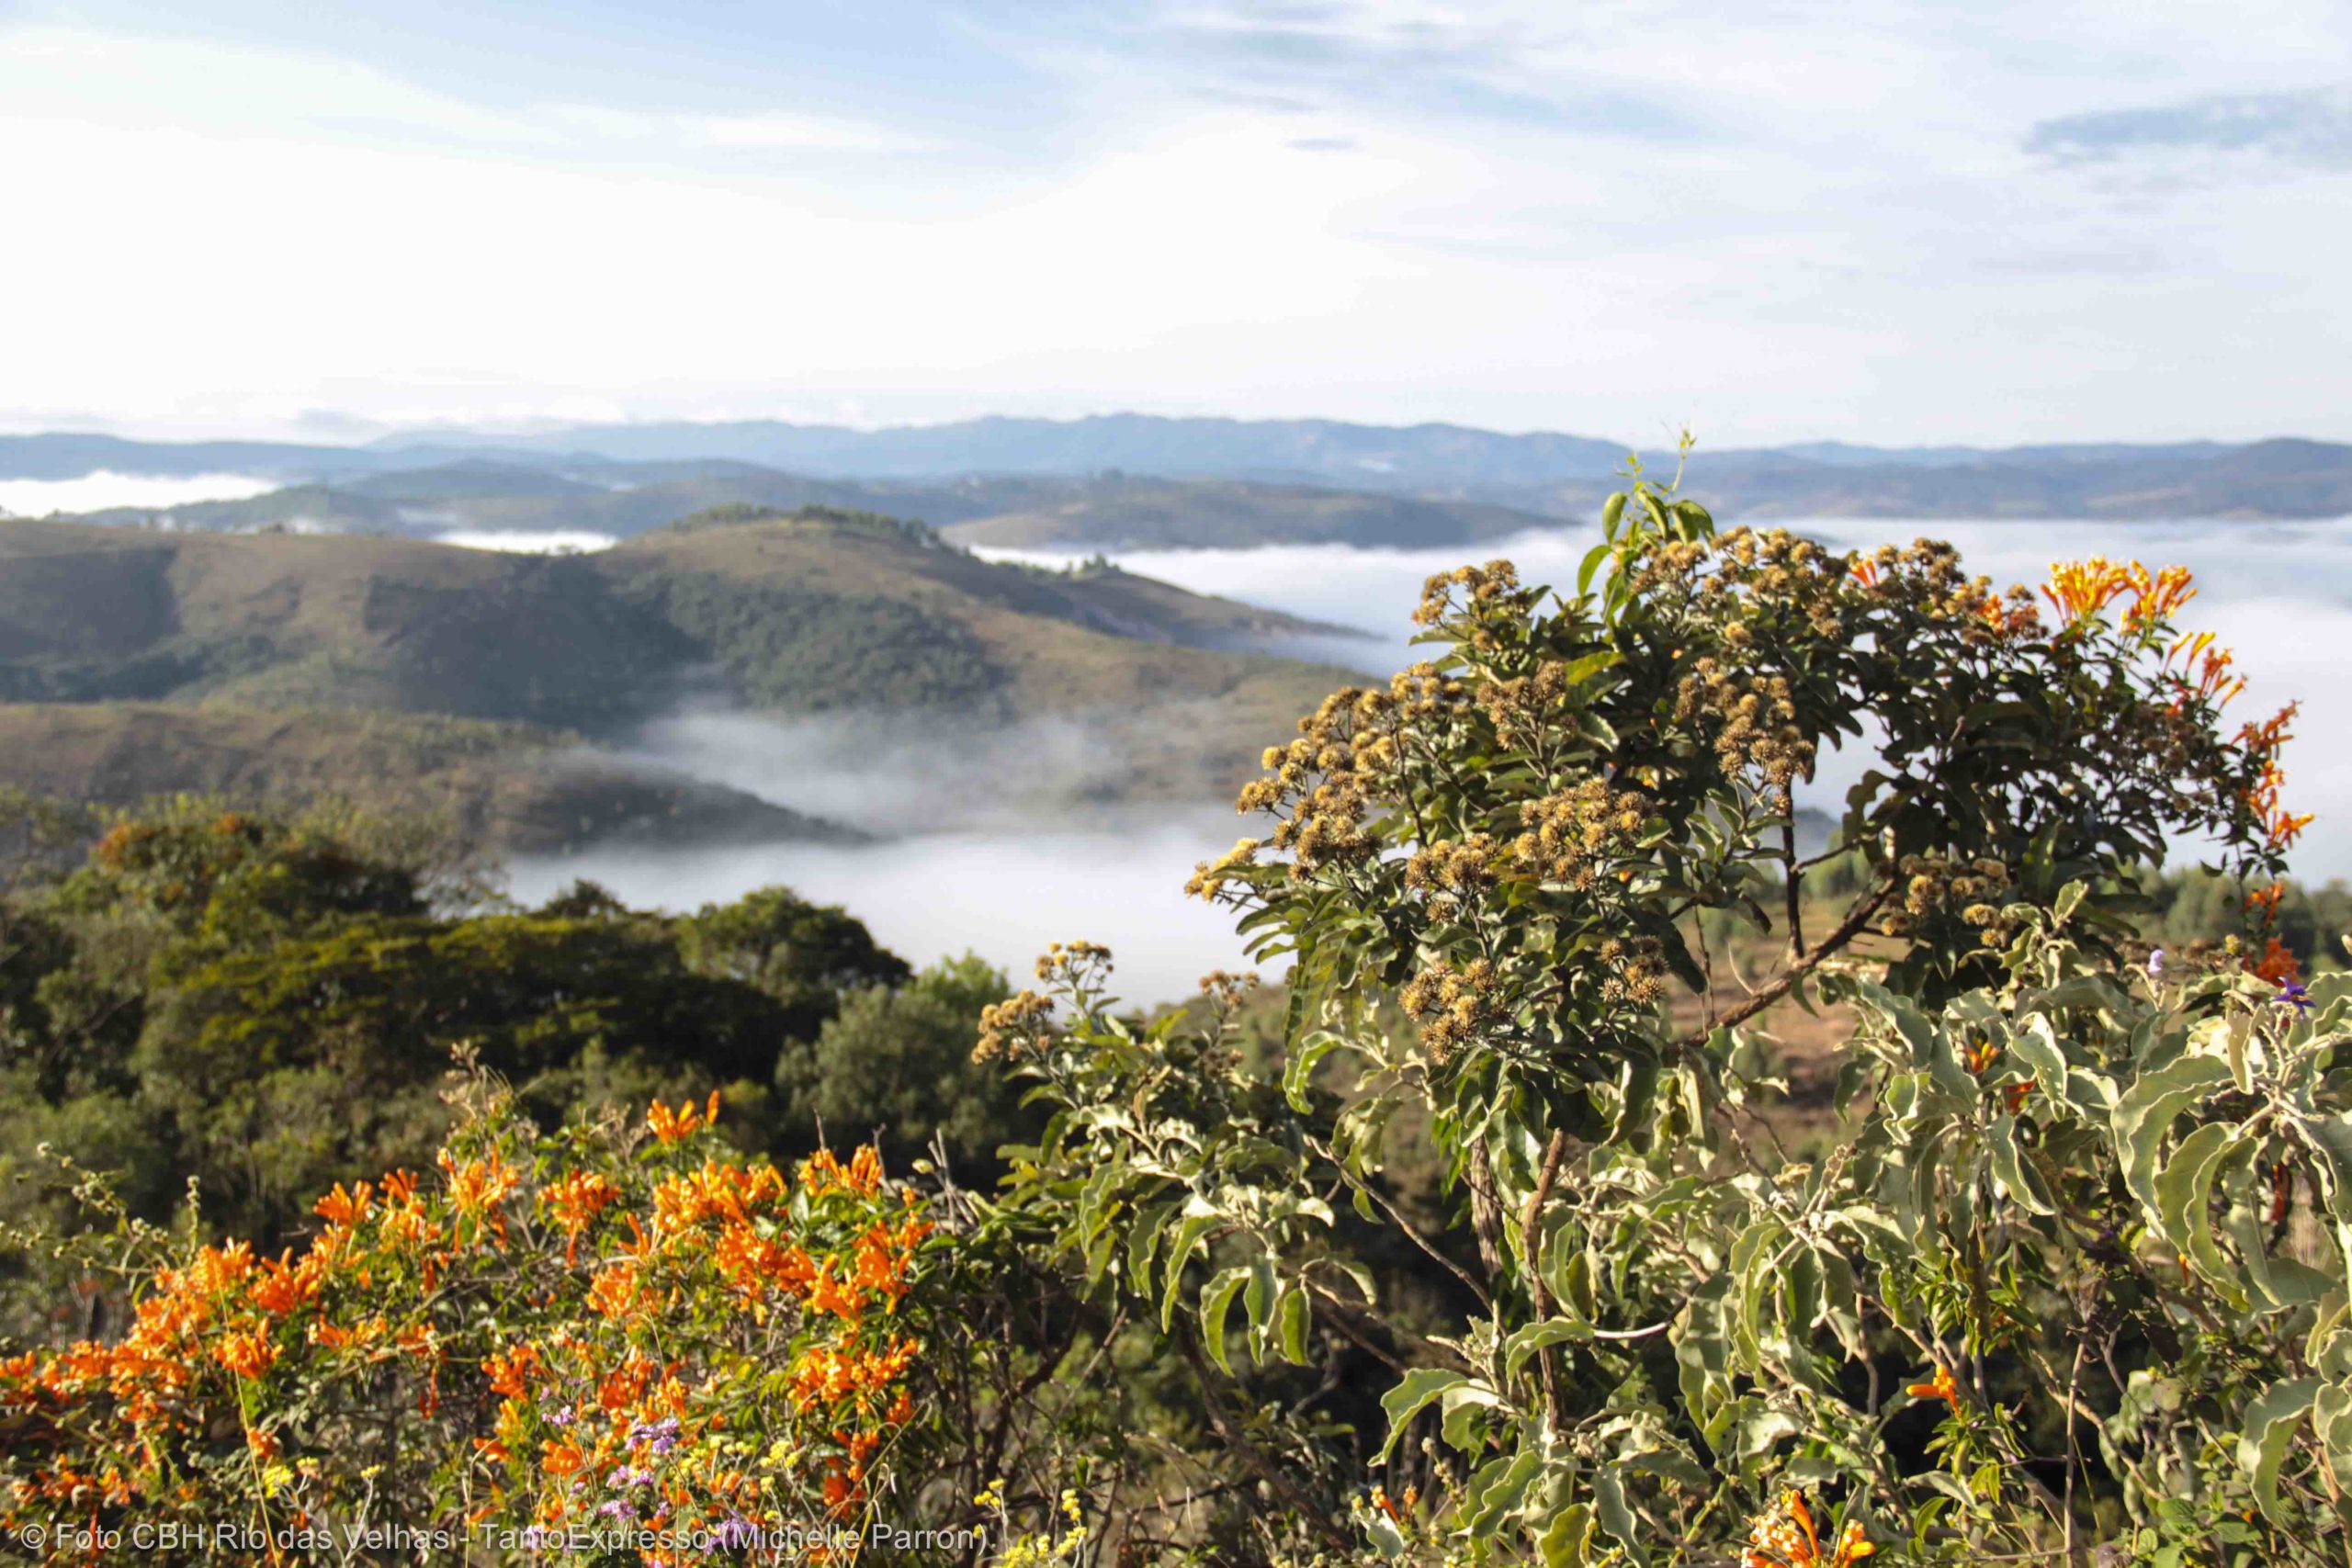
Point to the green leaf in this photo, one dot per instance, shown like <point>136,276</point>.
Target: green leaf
<point>1188,1236</point>
<point>1300,1071</point>
<point>1609,1495</point>
<point>1497,1488</point>
<point>2146,1114</point>
<point>1567,1539</point>
<point>2015,1171</point>
<point>1292,1318</point>
<point>1413,1396</point>
<point>1143,1241</point>
<point>2270,1423</point>
<point>2331,1137</point>
<point>2037,1047</point>
<point>2185,1200</point>
<point>1260,1299</point>
<point>1216,1302</point>
<point>1527,1340</point>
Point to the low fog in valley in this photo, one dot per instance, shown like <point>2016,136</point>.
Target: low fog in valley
<point>999,839</point>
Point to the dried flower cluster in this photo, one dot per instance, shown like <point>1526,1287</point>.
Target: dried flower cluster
<point>1454,1007</point>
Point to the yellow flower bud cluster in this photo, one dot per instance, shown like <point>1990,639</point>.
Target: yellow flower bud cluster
<point>1485,585</point>
<point>1637,970</point>
<point>1775,570</point>
<point>1013,1028</point>
<point>1928,580</point>
<point>1523,707</point>
<point>1209,875</point>
<point>1448,869</point>
<point>1572,835</point>
<point>1753,717</point>
<point>1226,990</point>
<point>1073,964</point>
<point>1936,886</point>
<point>1328,778</point>
<point>1452,1007</point>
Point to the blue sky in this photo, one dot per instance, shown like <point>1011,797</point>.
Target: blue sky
<point>1772,221</point>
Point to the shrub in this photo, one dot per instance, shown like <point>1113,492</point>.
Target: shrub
<point>621,1330</point>
<point>2066,1276</point>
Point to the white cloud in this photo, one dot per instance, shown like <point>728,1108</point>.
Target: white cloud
<point>101,489</point>
<point>1802,220</point>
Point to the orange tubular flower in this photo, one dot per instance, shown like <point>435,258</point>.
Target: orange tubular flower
<point>510,1371</point>
<point>2081,589</point>
<point>575,1202</point>
<point>284,1285</point>
<point>2155,599</point>
<point>248,1353</point>
<point>1942,1386</point>
<point>822,1173</point>
<point>1784,1537</point>
<point>479,1187</point>
<point>671,1126</point>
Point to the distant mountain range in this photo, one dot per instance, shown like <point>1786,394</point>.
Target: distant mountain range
<point>1139,479</point>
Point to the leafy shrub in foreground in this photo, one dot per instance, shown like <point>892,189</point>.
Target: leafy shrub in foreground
<point>2067,1277</point>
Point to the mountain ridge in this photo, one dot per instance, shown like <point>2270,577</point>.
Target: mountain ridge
<point>964,472</point>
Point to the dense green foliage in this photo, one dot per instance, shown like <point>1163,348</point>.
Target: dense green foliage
<point>806,651</point>
<point>270,1005</point>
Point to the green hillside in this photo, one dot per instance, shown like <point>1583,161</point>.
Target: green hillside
<point>1231,514</point>
<point>269,661</point>
<point>504,787</point>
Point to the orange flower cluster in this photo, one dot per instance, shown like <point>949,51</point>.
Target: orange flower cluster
<point>670,1125</point>
<point>2261,742</point>
<point>822,1173</point>
<point>831,1376</point>
<point>2079,589</point>
<point>2276,965</point>
<point>575,1202</point>
<point>577,1416</point>
<point>1784,1535</point>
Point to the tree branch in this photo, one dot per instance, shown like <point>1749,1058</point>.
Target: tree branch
<point>1791,879</point>
<point>1255,1458</point>
<point>1555,1399</point>
<point>1848,929</point>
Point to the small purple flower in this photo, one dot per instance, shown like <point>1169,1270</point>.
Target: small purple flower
<point>661,1434</point>
<point>618,1508</point>
<point>2156,964</point>
<point>736,1532</point>
<point>2294,996</point>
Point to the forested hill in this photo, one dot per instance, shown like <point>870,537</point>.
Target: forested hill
<point>133,661</point>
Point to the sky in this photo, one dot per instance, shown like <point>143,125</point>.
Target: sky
<point>1983,222</point>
